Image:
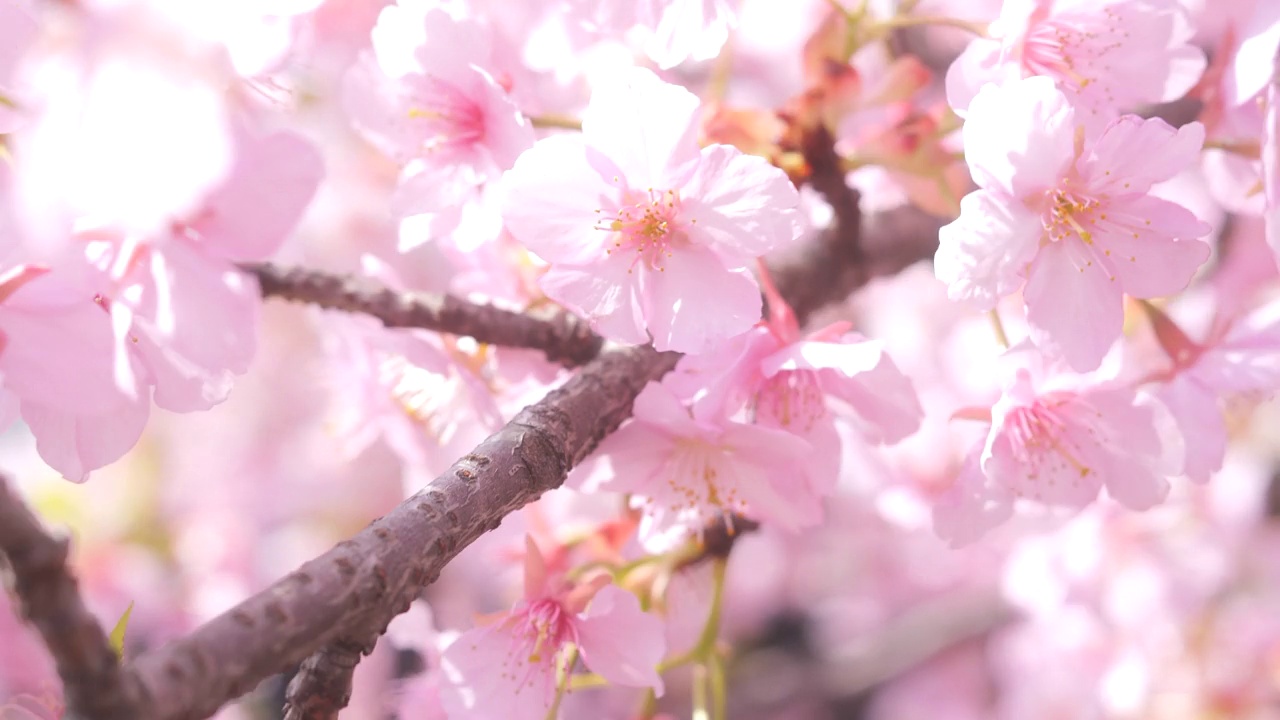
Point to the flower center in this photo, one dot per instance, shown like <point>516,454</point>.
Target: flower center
<point>645,224</point>
<point>1070,214</point>
<point>792,399</point>
<point>1036,430</point>
<point>694,483</point>
<point>446,117</point>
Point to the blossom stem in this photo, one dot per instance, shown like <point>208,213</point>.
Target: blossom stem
<point>901,21</point>
<point>719,687</point>
<point>998,326</point>
<point>555,121</point>
<point>700,693</point>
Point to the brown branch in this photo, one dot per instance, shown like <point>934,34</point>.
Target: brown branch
<point>322,686</point>
<point>354,590</point>
<point>49,598</point>
<point>564,338</point>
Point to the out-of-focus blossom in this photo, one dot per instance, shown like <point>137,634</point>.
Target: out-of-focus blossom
<point>509,668</point>
<point>670,31</point>
<point>1107,56</point>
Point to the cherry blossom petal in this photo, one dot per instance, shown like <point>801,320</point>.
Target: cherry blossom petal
<point>621,642</point>
<point>643,125</point>
<point>1143,249</point>
<point>1019,138</point>
<point>972,506</point>
<point>741,204</point>
<point>1133,154</point>
<point>271,183</point>
<point>1074,310</point>
<point>75,444</point>
<point>197,328</point>
<point>550,198</point>
<point>605,294</point>
<point>484,678</point>
<point>694,303</point>
<point>983,254</point>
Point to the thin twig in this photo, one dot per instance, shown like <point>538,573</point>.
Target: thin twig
<point>564,338</point>
<point>48,597</point>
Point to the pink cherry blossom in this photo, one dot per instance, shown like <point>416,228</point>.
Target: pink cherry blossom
<point>178,301</point>
<point>1058,446</point>
<point>1068,218</point>
<point>1108,56</point>
<point>646,235</point>
<point>1240,361</point>
<point>426,99</point>
<point>803,386</point>
<point>508,669</point>
<point>685,471</point>
<point>672,31</point>
<point>56,359</point>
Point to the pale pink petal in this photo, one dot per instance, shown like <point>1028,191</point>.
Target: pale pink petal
<point>1140,239</point>
<point>1271,166</point>
<point>197,326</point>
<point>983,255</point>
<point>695,29</point>
<point>1251,69</point>
<point>75,444</point>
<point>604,293</point>
<point>550,200</point>
<point>695,303</point>
<point>1075,311</point>
<point>486,676</point>
<point>770,466</point>
<point>972,506</point>
<point>59,356</point>
<point>626,461</point>
<point>621,642</point>
<point>740,204</point>
<point>1019,137</point>
<point>658,406</point>
<point>1196,411</point>
<point>643,125</point>
<point>1135,153</point>
<point>979,64</point>
<point>271,183</point>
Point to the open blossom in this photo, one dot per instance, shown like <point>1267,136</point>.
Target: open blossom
<point>426,99</point>
<point>671,31</point>
<point>1106,55</point>
<point>56,360</point>
<point>801,385</point>
<point>177,300</point>
<point>1069,218</point>
<point>1240,361</point>
<point>1058,445</point>
<point>684,472</point>
<point>508,669</point>
<point>647,235</point>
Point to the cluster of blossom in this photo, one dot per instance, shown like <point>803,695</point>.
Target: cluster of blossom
<point>1100,313</point>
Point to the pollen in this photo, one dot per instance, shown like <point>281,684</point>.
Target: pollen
<point>646,224</point>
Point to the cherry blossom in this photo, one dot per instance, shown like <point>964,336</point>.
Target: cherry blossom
<point>425,98</point>
<point>1068,218</point>
<point>671,31</point>
<point>647,236</point>
<point>508,669</point>
<point>685,471</point>
<point>1058,445</point>
<point>1107,56</point>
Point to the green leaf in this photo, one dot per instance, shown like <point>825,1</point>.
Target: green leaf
<point>117,633</point>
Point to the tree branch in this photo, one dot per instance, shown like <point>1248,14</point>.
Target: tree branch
<point>49,598</point>
<point>354,590</point>
<point>563,337</point>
